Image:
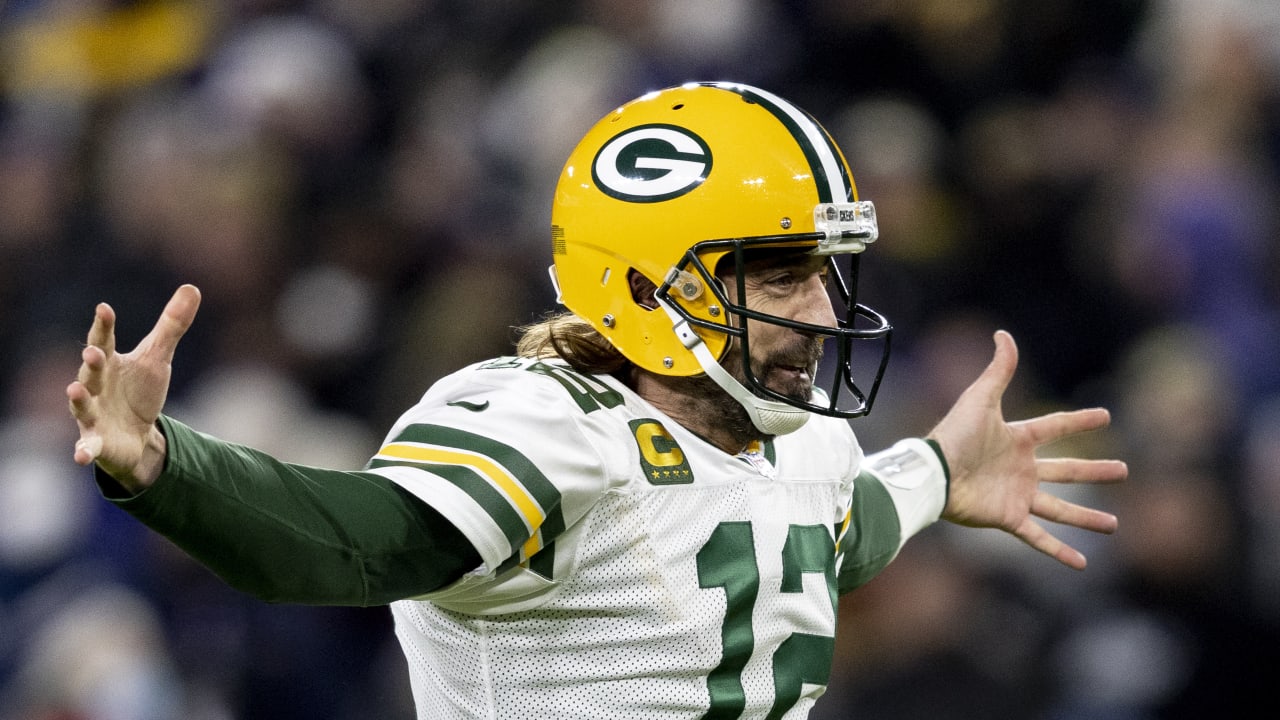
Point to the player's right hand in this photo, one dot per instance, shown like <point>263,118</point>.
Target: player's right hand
<point>117,397</point>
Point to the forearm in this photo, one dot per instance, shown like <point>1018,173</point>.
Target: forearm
<point>871,540</point>
<point>290,533</point>
<point>899,492</point>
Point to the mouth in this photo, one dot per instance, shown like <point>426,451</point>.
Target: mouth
<point>790,379</point>
<point>789,372</point>
<point>793,372</point>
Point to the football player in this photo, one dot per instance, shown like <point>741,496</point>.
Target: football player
<point>651,508</point>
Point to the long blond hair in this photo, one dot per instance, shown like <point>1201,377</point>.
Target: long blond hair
<point>572,339</point>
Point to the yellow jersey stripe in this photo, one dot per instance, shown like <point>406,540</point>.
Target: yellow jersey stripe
<point>489,469</point>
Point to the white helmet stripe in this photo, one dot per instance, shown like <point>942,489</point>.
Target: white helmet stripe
<point>828,170</point>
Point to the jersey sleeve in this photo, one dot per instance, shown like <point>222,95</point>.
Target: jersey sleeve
<point>505,451</point>
<point>898,493</point>
<point>292,533</point>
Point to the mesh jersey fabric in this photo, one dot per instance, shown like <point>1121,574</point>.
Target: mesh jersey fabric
<point>630,569</point>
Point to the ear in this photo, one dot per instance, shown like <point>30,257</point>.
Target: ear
<point>642,289</point>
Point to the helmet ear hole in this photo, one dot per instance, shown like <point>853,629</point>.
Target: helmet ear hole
<point>643,290</point>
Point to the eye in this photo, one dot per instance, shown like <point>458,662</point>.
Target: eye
<point>782,280</point>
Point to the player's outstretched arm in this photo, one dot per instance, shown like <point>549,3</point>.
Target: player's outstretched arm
<point>995,474</point>
<point>117,397</point>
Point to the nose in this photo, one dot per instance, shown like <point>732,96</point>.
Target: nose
<point>814,303</point>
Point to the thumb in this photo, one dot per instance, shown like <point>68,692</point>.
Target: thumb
<point>995,379</point>
<point>178,315</point>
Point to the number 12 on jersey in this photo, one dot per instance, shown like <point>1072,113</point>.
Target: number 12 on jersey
<point>728,560</point>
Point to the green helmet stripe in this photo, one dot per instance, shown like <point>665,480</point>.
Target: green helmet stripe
<point>829,172</point>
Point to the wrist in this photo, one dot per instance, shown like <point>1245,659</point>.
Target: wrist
<point>946,469</point>
<point>149,466</point>
<point>154,452</point>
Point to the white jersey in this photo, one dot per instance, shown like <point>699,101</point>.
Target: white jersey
<point>630,569</point>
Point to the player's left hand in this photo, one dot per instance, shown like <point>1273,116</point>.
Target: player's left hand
<point>995,474</point>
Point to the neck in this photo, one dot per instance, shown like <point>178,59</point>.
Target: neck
<point>700,406</point>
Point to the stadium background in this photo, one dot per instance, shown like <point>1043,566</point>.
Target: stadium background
<point>362,191</point>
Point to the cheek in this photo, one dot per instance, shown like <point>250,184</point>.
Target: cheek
<point>765,338</point>
<point>791,309</point>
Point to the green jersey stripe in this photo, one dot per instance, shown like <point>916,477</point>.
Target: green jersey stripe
<point>497,505</point>
<point>543,562</point>
<point>546,494</point>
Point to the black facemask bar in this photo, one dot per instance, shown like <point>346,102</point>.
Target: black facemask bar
<point>874,325</point>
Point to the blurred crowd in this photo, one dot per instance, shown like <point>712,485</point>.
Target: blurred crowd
<point>361,188</point>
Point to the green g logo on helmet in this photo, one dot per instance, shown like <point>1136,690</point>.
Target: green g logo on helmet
<point>651,163</point>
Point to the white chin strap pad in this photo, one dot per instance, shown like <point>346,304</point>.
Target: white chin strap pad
<point>770,417</point>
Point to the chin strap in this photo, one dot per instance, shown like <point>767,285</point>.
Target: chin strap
<point>771,417</point>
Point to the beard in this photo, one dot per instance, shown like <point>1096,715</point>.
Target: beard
<point>788,371</point>
<point>700,396</point>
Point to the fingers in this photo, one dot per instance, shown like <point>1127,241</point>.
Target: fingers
<point>102,333</point>
<point>1031,533</point>
<point>88,448</point>
<point>79,397</point>
<point>99,345</point>
<point>1074,470</point>
<point>92,362</point>
<point>1055,509</point>
<point>1055,426</point>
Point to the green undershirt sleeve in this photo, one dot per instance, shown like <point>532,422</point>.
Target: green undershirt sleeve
<point>284,532</point>
<point>874,535</point>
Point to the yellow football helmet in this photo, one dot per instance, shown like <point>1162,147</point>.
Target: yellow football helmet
<point>674,182</point>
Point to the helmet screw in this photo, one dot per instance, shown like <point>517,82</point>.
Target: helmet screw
<point>786,223</point>
<point>668,363</point>
<point>608,321</point>
<point>685,283</point>
<point>714,311</point>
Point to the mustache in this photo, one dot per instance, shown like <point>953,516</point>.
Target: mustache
<point>805,353</point>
